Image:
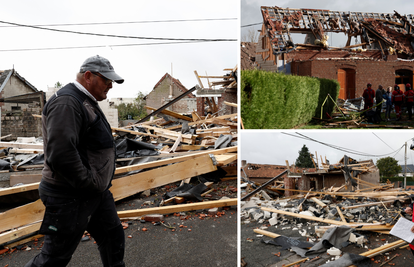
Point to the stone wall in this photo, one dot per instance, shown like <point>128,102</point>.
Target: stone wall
<point>21,124</point>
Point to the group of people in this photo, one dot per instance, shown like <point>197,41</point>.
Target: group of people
<point>395,98</point>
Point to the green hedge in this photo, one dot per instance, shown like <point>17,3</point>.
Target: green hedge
<point>272,100</point>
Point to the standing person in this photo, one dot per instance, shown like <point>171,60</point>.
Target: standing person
<point>409,96</point>
<point>397,99</point>
<point>79,166</point>
<point>409,211</point>
<point>378,101</point>
<point>388,104</point>
<point>368,96</point>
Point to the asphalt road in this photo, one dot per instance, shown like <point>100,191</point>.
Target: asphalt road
<point>206,241</point>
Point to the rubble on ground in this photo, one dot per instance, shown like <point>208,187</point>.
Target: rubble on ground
<point>360,211</point>
<point>154,157</point>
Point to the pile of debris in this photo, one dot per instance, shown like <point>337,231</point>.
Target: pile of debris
<point>188,158</point>
<point>329,219</point>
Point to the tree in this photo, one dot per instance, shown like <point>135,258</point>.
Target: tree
<point>304,160</point>
<point>251,36</point>
<point>132,111</point>
<point>388,167</point>
<point>58,85</point>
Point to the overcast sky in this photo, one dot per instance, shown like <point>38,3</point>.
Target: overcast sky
<point>275,147</point>
<point>142,66</point>
<point>250,11</point>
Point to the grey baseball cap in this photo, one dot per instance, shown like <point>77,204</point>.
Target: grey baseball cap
<point>102,66</point>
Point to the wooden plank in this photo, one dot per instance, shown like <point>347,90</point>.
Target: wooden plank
<point>225,159</point>
<point>21,145</point>
<point>18,189</point>
<point>358,226</point>
<point>205,121</point>
<point>132,132</point>
<point>230,104</point>
<point>23,241</point>
<point>22,215</point>
<point>178,208</point>
<point>130,185</point>
<point>19,232</point>
<point>317,201</point>
<point>171,113</point>
<point>186,138</point>
<point>17,178</point>
<point>340,214</point>
<point>158,163</point>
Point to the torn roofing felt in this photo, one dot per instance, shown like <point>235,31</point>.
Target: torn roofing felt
<point>333,237</point>
<point>382,30</point>
<point>349,259</point>
<point>288,242</point>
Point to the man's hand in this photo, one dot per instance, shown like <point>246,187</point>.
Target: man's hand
<point>409,211</point>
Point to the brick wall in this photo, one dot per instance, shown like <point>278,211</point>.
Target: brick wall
<point>159,96</point>
<point>367,70</point>
<point>22,124</point>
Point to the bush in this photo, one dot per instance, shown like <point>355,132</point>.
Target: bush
<point>274,100</point>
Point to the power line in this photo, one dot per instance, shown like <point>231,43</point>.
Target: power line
<point>121,22</point>
<point>94,46</point>
<point>248,25</point>
<point>347,150</point>
<point>118,36</point>
<point>381,140</point>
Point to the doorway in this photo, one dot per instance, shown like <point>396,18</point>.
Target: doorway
<point>346,79</point>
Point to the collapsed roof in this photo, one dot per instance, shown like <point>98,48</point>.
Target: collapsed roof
<point>390,33</point>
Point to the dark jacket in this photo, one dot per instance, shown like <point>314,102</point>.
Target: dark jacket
<point>78,146</point>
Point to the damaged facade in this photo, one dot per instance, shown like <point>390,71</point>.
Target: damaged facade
<point>18,101</point>
<point>384,54</point>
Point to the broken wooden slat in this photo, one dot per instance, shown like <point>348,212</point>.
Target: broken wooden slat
<point>132,132</point>
<point>186,138</point>
<point>19,232</point>
<point>158,163</point>
<point>225,159</point>
<point>205,121</point>
<point>359,226</point>
<point>21,145</point>
<point>340,214</point>
<point>17,178</point>
<point>171,113</point>
<point>18,189</point>
<point>178,208</point>
<point>130,185</point>
<point>22,215</point>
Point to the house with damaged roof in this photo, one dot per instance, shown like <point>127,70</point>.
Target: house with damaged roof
<point>383,52</point>
<point>166,89</point>
<point>19,101</point>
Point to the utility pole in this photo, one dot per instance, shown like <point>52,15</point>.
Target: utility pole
<point>405,169</point>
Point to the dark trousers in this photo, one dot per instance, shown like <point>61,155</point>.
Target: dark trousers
<point>66,220</point>
<point>378,111</point>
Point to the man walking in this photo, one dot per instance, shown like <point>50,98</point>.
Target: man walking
<point>79,166</point>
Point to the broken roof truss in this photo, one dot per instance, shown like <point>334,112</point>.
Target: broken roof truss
<point>392,32</point>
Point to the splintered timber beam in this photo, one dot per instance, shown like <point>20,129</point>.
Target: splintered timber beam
<point>178,208</point>
<point>171,113</point>
<point>22,215</point>
<point>19,232</point>
<point>263,185</point>
<point>127,186</point>
<point>173,160</point>
<point>168,104</point>
<point>358,226</point>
